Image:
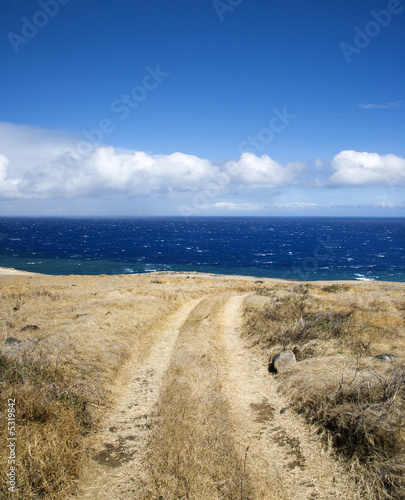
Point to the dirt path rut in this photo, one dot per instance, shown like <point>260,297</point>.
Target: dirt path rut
<point>119,447</point>
<point>278,442</point>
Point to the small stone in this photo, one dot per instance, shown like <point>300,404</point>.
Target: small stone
<point>284,410</point>
<point>12,340</point>
<point>385,357</point>
<point>281,361</point>
<point>29,327</point>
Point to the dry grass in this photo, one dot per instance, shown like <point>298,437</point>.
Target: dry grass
<point>357,402</point>
<point>76,334</point>
<point>51,419</point>
<point>362,411</point>
<point>67,371</point>
<point>298,321</point>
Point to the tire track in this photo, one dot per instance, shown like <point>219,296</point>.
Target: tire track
<point>192,453</point>
<point>279,443</point>
<point>119,447</point>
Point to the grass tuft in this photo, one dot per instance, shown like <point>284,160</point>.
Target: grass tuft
<point>51,419</point>
<point>293,322</point>
<point>334,288</point>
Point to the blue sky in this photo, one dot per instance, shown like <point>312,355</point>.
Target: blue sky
<point>202,107</point>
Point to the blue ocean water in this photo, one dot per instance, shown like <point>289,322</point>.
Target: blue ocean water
<point>275,247</point>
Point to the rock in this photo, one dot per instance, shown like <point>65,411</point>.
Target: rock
<point>284,410</point>
<point>385,357</point>
<point>281,361</point>
<point>29,327</point>
<point>12,340</point>
<point>18,349</point>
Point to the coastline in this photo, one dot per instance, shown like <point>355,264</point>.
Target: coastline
<point>287,248</point>
<point>10,271</point>
<point>208,276</point>
<point>16,272</point>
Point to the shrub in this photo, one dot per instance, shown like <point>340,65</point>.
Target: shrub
<point>365,417</point>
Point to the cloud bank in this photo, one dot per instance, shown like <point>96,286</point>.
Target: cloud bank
<point>37,164</point>
<point>136,173</point>
<point>238,207</point>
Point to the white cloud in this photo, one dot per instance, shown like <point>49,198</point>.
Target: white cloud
<point>390,105</point>
<point>299,206</point>
<point>136,172</point>
<point>44,165</point>
<point>106,171</point>
<point>389,204</point>
<point>251,170</point>
<point>227,205</point>
<point>352,168</point>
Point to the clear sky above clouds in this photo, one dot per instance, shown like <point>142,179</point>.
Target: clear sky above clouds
<point>203,107</point>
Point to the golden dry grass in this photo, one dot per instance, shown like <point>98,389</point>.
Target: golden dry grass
<point>76,333</point>
<point>358,402</point>
<point>87,328</point>
<point>91,327</point>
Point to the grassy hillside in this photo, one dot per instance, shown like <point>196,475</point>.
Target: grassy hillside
<point>75,336</point>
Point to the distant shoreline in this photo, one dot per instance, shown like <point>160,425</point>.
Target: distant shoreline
<point>15,272</point>
<point>9,271</point>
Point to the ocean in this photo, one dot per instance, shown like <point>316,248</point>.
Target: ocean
<point>299,248</point>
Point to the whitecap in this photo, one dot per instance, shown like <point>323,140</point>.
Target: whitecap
<point>361,277</point>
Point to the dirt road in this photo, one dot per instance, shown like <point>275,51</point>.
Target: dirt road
<point>201,418</point>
